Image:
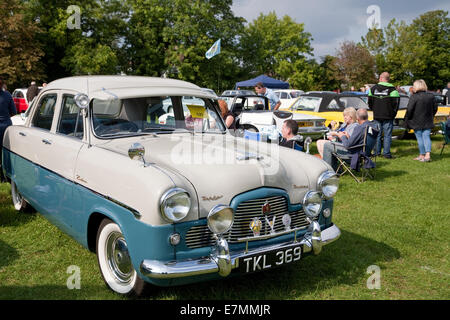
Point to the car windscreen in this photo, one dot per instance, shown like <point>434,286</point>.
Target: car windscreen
<point>307,103</point>
<point>167,114</point>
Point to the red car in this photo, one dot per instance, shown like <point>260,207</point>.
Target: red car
<point>20,99</point>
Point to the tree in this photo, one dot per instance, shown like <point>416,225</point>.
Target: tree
<point>326,75</point>
<point>19,53</point>
<point>171,38</point>
<point>354,65</point>
<point>96,47</point>
<point>278,48</point>
<point>420,50</point>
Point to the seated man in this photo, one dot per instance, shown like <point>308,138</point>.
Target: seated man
<point>357,138</point>
<point>289,132</point>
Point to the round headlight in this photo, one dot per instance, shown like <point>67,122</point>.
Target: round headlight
<point>328,183</point>
<point>175,205</point>
<point>312,204</point>
<point>220,219</point>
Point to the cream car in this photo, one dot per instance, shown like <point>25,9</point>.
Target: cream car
<point>164,204</point>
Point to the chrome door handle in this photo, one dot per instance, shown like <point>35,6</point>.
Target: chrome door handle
<point>46,141</point>
<point>22,134</point>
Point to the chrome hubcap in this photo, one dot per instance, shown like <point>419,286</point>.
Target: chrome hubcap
<point>118,258</point>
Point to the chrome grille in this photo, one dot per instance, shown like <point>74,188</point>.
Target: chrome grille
<point>200,236</point>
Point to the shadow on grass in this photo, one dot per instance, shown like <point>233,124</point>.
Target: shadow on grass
<point>11,218</point>
<point>53,292</point>
<point>344,262</point>
<point>7,254</point>
<point>381,175</point>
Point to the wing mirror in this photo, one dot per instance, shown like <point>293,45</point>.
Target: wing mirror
<point>81,100</point>
<point>137,152</point>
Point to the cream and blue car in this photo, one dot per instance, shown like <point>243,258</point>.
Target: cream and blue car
<point>164,204</point>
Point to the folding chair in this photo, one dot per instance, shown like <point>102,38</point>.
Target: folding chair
<point>360,158</point>
<point>446,136</point>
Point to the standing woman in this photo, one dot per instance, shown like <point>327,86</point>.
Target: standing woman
<point>7,109</point>
<point>419,116</point>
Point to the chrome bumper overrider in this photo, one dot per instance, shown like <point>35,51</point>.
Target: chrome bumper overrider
<point>222,262</point>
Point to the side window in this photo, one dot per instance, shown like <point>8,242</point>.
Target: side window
<point>284,95</point>
<point>44,113</point>
<point>71,119</point>
<point>333,106</point>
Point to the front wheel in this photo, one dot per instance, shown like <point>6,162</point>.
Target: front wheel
<point>115,262</point>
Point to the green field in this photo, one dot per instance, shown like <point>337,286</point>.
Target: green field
<point>399,222</point>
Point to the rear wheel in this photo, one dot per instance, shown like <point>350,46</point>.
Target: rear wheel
<point>115,262</point>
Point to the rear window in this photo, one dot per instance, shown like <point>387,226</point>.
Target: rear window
<point>403,102</point>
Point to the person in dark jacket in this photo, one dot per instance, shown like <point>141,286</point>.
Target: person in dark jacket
<point>7,109</point>
<point>290,137</point>
<point>32,91</point>
<point>419,116</point>
<point>384,101</point>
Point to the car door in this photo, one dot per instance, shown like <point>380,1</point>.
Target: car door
<point>29,144</point>
<point>54,138</point>
<point>66,143</point>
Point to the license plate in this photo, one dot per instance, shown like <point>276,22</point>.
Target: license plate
<point>270,259</point>
<point>305,124</point>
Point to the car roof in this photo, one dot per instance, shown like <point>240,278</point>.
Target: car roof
<point>119,87</point>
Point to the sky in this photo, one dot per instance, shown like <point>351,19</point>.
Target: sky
<point>331,22</point>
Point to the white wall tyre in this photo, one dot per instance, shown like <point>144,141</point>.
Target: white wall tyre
<point>114,261</point>
<point>19,202</point>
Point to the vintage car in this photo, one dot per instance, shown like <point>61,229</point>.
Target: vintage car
<point>325,104</point>
<point>253,113</point>
<point>287,96</point>
<point>164,204</point>
<point>20,99</point>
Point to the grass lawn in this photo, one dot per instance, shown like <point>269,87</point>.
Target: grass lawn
<point>399,222</point>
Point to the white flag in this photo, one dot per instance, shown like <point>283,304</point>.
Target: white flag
<point>214,50</point>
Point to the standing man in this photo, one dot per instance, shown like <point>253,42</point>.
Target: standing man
<point>384,101</point>
<point>7,109</point>
<point>32,91</point>
<point>274,101</point>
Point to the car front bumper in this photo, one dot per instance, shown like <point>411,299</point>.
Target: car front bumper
<point>222,262</point>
